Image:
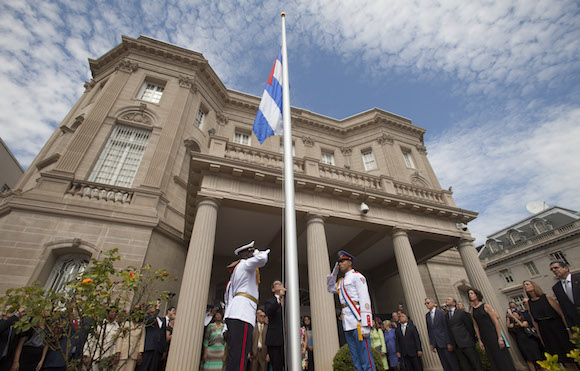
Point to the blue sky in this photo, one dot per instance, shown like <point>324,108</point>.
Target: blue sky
<point>496,84</point>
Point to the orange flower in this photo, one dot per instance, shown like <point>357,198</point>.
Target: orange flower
<point>87,280</point>
<point>131,275</point>
<point>165,273</point>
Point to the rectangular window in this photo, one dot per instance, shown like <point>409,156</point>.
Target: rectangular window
<point>120,159</point>
<point>506,274</point>
<point>327,158</point>
<point>242,138</point>
<point>519,300</point>
<point>559,255</point>
<point>151,92</point>
<point>200,118</point>
<point>408,159</point>
<point>532,269</point>
<point>369,160</point>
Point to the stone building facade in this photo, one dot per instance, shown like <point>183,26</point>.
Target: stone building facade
<point>524,250</point>
<point>157,159</point>
<point>10,169</point>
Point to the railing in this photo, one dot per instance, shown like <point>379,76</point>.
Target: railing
<point>248,154</point>
<point>97,191</point>
<point>407,190</point>
<point>343,175</point>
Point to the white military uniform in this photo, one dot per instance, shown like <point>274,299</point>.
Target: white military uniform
<point>244,281</point>
<point>355,287</point>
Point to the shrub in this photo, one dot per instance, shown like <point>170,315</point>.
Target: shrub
<point>343,362</point>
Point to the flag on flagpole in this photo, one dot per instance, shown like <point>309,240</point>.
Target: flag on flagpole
<point>269,118</point>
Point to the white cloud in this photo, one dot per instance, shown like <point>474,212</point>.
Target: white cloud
<point>497,165</point>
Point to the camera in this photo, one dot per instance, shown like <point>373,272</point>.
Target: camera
<point>364,208</point>
<point>461,226</point>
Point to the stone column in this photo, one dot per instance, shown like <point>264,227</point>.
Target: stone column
<point>188,333</point>
<point>324,330</point>
<point>414,293</point>
<point>478,279</point>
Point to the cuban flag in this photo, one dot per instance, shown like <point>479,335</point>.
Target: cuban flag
<point>269,118</point>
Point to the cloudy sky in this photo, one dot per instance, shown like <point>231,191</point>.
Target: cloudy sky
<point>495,83</point>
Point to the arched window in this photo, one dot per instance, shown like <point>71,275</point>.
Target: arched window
<point>515,236</point>
<point>66,268</point>
<point>540,225</point>
<point>493,245</point>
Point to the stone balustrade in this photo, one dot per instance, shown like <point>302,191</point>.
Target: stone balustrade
<point>98,191</point>
<point>351,177</point>
<point>265,158</point>
<point>408,190</point>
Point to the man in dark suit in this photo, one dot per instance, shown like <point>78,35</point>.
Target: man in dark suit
<point>439,336</point>
<point>408,344</point>
<point>155,339</point>
<point>7,336</point>
<point>567,291</point>
<point>274,307</point>
<point>259,354</point>
<point>463,336</point>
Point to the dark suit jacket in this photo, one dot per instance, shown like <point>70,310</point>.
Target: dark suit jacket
<point>155,336</point>
<point>6,336</point>
<point>409,344</point>
<point>571,310</point>
<point>275,334</point>
<point>461,329</point>
<point>438,329</point>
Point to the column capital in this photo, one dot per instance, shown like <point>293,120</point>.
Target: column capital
<point>466,240</point>
<point>315,218</point>
<point>209,201</point>
<point>397,232</point>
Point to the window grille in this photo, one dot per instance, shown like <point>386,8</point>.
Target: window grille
<point>200,118</point>
<point>559,255</point>
<point>532,269</point>
<point>151,92</point>
<point>121,156</point>
<point>506,275</point>
<point>408,159</point>
<point>369,160</point>
<point>66,269</point>
<point>519,300</point>
<point>328,158</point>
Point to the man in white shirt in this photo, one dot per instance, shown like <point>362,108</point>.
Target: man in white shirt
<point>567,291</point>
<point>241,300</point>
<point>354,297</point>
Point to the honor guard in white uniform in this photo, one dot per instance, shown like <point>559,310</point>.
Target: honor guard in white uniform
<point>241,300</point>
<point>357,314</point>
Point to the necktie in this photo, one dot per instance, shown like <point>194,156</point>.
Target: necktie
<point>452,312</point>
<point>404,328</point>
<point>568,290</point>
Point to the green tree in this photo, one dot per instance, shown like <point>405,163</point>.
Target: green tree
<point>78,311</point>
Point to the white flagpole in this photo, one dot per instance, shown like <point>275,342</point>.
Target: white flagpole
<point>293,358</point>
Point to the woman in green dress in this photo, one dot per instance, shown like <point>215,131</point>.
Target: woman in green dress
<point>214,345</point>
<point>378,341</point>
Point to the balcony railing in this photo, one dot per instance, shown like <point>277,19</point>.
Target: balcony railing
<point>248,154</point>
<point>97,191</point>
<point>408,190</point>
<point>347,176</point>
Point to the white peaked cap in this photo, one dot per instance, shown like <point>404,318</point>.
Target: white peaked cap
<point>245,247</point>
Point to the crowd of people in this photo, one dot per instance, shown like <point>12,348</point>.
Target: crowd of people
<point>453,331</point>
<point>239,334</point>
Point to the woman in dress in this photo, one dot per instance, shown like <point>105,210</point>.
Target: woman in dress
<point>378,341</point>
<point>304,342</point>
<point>528,346</point>
<point>550,323</point>
<point>214,345</point>
<point>486,324</point>
<point>391,343</point>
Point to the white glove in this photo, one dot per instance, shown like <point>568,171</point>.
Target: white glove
<point>366,331</point>
<point>256,252</point>
<point>335,270</point>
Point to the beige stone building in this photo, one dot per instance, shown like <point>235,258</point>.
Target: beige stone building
<point>10,169</point>
<point>524,250</point>
<point>157,159</point>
